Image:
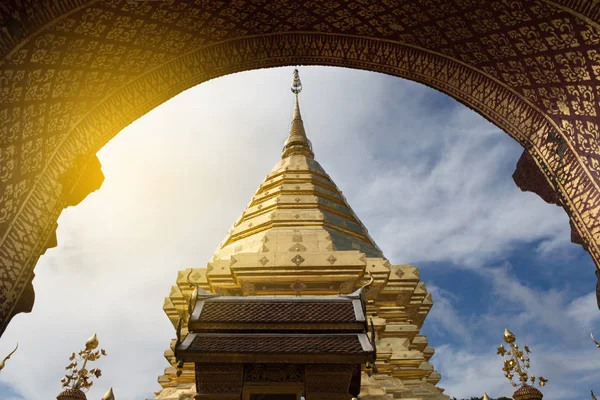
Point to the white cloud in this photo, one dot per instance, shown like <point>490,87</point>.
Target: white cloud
<point>460,208</point>
<point>446,316</point>
<point>584,309</point>
<point>430,186</point>
<point>467,373</point>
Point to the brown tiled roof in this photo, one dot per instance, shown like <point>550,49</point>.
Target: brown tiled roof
<point>306,344</point>
<point>277,311</point>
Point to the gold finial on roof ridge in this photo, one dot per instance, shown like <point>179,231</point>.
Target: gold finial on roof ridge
<point>78,380</point>
<point>3,362</point>
<point>517,365</point>
<point>297,141</point>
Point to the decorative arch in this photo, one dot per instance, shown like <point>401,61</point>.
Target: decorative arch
<point>73,73</point>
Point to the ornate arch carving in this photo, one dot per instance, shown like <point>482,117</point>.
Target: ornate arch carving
<point>74,73</point>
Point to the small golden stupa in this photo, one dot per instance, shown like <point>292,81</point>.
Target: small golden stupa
<point>299,237</point>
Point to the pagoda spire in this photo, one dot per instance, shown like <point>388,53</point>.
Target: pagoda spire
<point>297,142</point>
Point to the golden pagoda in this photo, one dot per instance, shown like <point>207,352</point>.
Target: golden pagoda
<point>299,237</point>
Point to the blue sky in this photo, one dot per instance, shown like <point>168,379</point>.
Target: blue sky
<point>429,178</point>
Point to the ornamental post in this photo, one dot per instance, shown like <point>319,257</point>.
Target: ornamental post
<point>78,380</point>
<point>518,364</point>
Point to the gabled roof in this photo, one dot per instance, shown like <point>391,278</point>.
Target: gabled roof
<point>289,348</point>
<point>311,329</point>
<point>341,313</point>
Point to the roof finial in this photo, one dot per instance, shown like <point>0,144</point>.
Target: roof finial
<point>517,364</point>
<point>296,89</point>
<point>297,142</point>
<point>296,84</point>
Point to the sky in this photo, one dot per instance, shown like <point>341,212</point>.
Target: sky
<point>428,177</point>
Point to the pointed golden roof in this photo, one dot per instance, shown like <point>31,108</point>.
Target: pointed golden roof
<point>297,142</point>
<point>297,196</point>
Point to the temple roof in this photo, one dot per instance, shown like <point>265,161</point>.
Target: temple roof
<point>277,311</point>
<point>341,313</point>
<point>262,329</point>
<point>297,195</point>
<point>289,348</point>
<point>276,343</point>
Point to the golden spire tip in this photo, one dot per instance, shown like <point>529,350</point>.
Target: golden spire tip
<point>296,88</point>
<point>296,84</point>
<point>297,142</point>
<point>109,395</point>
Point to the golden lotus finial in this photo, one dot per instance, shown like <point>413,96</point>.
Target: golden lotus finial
<point>80,377</point>
<point>509,337</point>
<point>92,343</point>
<point>109,395</point>
<point>517,364</point>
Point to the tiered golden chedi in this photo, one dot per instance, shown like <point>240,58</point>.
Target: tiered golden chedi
<point>299,236</point>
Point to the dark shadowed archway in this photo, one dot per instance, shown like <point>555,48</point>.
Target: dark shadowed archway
<point>73,73</point>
